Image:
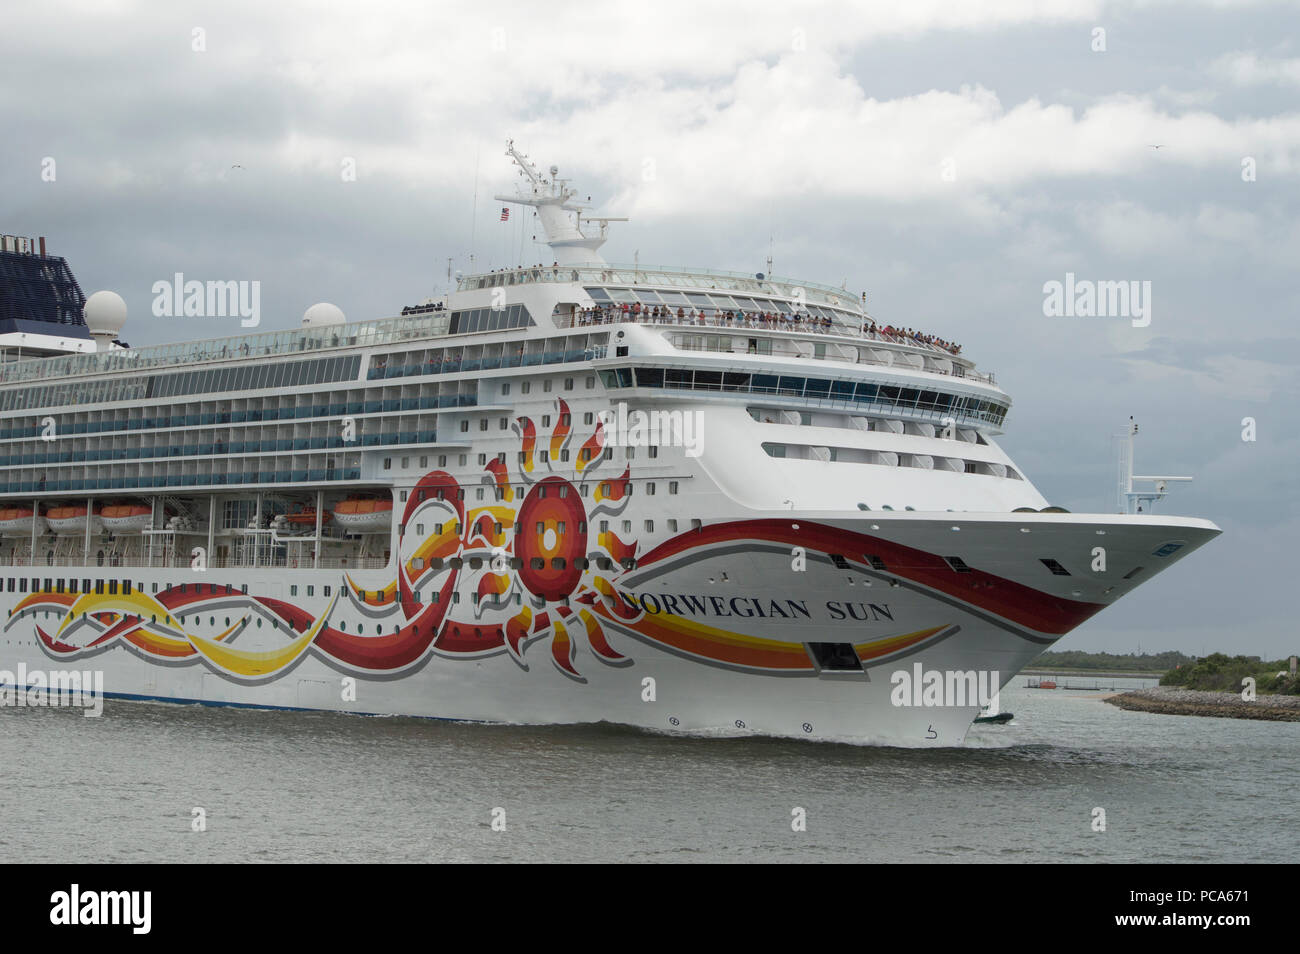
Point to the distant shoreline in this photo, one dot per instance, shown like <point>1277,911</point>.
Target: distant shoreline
<point>1109,673</point>
<point>1169,700</point>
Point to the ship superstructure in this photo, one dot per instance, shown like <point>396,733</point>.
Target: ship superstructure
<point>522,501</point>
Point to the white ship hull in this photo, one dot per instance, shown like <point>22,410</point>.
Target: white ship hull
<point>734,658</point>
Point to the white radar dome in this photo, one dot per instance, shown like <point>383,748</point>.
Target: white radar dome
<point>105,314</point>
<point>322,314</point>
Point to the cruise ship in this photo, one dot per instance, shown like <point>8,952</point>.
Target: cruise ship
<point>686,500</point>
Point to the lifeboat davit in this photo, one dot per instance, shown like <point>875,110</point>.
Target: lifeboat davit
<point>17,522</point>
<point>360,515</point>
<point>71,519</point>
<point>126,518</point>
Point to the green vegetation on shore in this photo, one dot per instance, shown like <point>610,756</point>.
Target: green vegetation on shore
<point>1110,662</point>
<point>1219,672</point>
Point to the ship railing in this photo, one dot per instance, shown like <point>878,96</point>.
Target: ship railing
<point>240,347</point>
<point>958,369</point>
<point>674,276</point>
<point>181,562</point>
<point>760,324</point>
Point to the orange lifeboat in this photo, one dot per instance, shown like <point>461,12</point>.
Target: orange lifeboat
<point>71,519</point>
<point>126,518</point>
<point>306,517</point>
<point>364,515</point>
<point>18,522</point>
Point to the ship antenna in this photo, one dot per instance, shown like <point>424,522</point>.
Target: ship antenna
<point>1139,501</point>
<point>557,207</point>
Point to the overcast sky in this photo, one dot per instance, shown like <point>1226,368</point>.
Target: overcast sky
<point>948,158</point>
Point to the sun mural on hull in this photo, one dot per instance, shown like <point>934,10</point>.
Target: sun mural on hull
<point>531,550</point>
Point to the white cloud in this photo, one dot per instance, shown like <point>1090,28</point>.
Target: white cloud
<point>1248,69</point>
<point>1223,376</point>
<point>1128,227</point>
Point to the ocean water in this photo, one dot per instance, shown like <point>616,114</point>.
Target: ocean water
<point>306,787</point>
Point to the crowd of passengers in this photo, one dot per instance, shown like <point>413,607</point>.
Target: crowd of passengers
<point>609,314</point>
<point>908,334</point>
<point>422,309</point>
<point>635,311</point>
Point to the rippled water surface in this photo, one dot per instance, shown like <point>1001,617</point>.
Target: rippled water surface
<point>281,786</point>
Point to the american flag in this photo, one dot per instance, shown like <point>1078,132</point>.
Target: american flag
<point>505,214</point>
